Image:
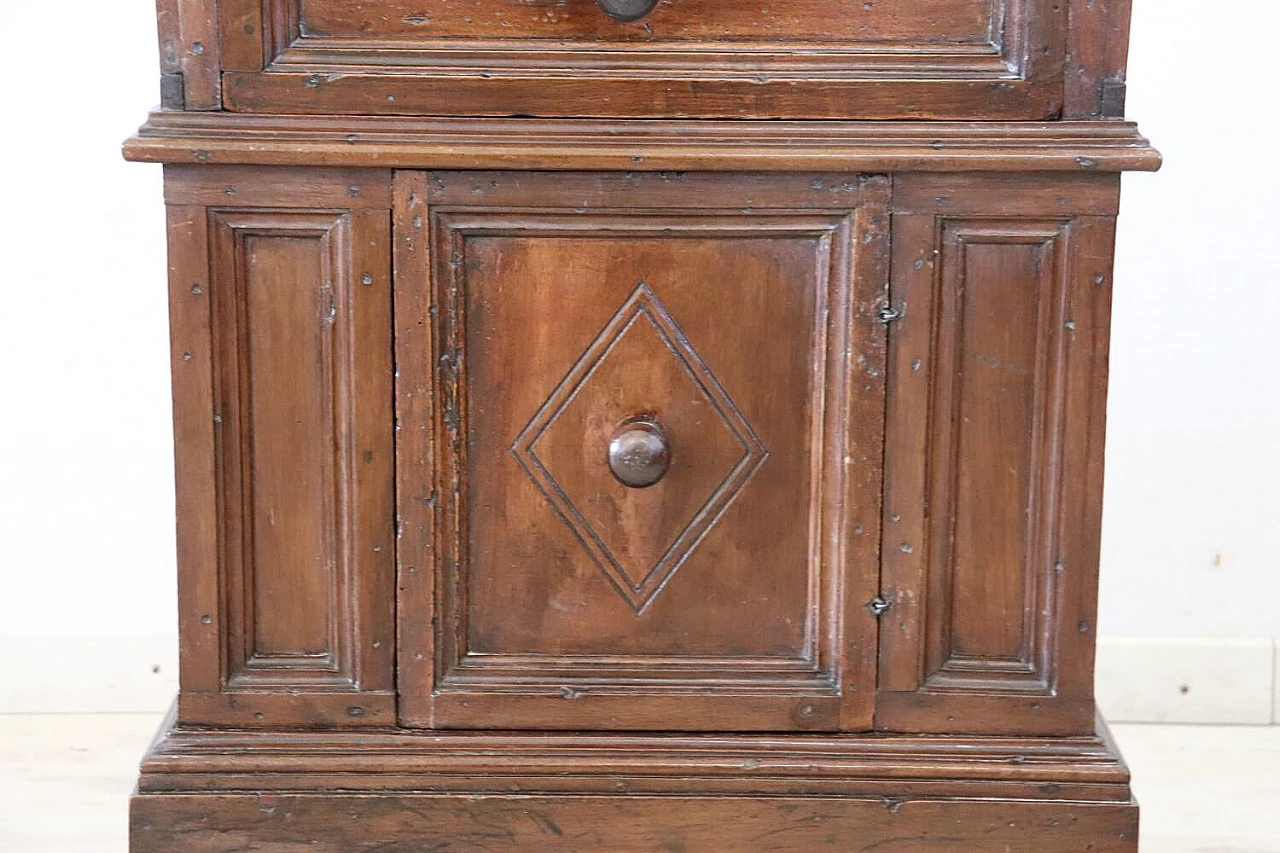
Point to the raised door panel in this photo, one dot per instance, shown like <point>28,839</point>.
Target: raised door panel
<point>723,587</point>
<point>698,58</point>
<point>997,366</point>
<point>285,313</point>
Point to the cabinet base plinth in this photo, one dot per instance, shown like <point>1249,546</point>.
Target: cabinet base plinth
<point>415,823</point>
<point>405,792</point>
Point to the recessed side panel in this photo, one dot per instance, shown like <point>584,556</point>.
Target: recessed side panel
<point>988,449</point>
<point>995,444</point>
<point>280,357</point>
<point>298,340</point>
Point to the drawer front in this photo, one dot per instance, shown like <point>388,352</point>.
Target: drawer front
<point>645,496</point>
<point>670,22</point>
<point>684,58</point>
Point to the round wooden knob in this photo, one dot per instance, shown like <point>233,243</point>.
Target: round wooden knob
<point>627,10</point>
<point>639,454</point>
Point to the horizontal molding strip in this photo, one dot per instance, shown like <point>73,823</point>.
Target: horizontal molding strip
<point>1085,769</point>
<point>641,144</point>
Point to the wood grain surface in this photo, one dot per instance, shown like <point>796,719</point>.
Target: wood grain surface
<point>847,266</point>
<point>291,823</point>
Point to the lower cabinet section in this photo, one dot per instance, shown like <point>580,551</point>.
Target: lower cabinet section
<point>499,451</point>
<point>637,511</point>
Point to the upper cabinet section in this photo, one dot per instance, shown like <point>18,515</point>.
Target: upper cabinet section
<point>790,59</point>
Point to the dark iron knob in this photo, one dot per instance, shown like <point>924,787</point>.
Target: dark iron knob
<point>627,10</point>
<point>639,454</point>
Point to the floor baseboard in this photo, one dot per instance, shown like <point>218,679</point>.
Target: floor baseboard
<point>87,675</point>
<point>1139,680</point>
<point>1189,681</point>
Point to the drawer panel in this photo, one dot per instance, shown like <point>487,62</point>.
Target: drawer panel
<point>956,59</point>
<point>672,21</point>
<point>644,475</point>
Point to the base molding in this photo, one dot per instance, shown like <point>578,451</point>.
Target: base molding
<point>414,823</point>
<point>207,791</point>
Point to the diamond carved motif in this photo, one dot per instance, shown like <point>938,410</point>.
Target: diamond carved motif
<point>639,538</point>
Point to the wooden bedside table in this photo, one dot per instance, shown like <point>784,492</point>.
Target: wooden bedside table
<point>639,426</point>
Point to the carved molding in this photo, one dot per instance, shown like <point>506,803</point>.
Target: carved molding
<point>249,513</point>
<point>457,667</point>
<point>1024,663</point>
<point>644,145</point>
<point>642,312</point>
<point>450,685</point>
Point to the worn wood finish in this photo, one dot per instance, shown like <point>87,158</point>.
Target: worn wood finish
<point>408,143</point>
<point>190,62</point>
<point>1048,794</point>
<point>346,823</point>
<point>169,30</point>
<point>1077,768</point>
<point>618,436</point>
<point>751,21</point>
<point>935,59</point>
<point>489,94</point>
<point>417,497</point>
<point>940,59</point>
<point>997,368</point>
<point>284,312</point>
<point>1098,51</point>
<point>297,187</point>
<point>715,598</point>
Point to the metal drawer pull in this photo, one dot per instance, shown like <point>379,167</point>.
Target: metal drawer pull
<point>639,454</point>
<point>627,10</point>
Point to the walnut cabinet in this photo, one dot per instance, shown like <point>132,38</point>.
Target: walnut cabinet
<point>638,426</point>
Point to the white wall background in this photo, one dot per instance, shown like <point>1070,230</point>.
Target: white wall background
<point>1192,519</point>
<point>1193,489</point>
<point>86,495</point>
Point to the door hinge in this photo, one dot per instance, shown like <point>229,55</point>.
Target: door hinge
<point>1114,91</point>
<point>173,92</point>
<point>888,314</point>
<point>879,606</point>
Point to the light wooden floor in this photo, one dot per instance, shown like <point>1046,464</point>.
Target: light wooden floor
<point>1202,789</point>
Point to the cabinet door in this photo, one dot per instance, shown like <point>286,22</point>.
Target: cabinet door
<point>993,464</point>
<point>281,304</point>
<point>639,450</point>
